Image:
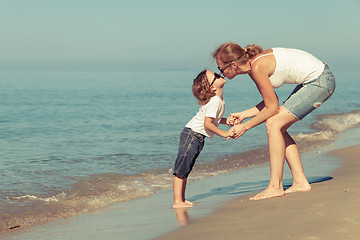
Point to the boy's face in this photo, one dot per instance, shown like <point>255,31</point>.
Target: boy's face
<point>215,79</point>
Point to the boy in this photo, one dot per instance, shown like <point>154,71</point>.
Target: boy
<point>208,89</point>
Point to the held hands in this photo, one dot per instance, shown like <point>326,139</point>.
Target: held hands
<point>234,119</point>
<point>230,133</point>
<point>238,129</point>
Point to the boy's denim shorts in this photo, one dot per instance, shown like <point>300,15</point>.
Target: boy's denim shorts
<point>190,145</point>
<point>310,95</point>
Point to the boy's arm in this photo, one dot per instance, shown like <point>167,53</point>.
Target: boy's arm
<point>223,121</point>
<point>208,123</point>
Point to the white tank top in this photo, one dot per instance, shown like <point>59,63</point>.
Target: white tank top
<point>293,66</point>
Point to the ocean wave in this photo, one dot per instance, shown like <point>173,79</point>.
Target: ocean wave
<point>31,197</point>
<point>327,127</point>
<point>337,122</point>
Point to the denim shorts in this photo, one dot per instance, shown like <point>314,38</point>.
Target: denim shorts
<point>310,95</point>
<point>190,145</point>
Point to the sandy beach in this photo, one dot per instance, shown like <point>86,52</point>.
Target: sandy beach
<point>330,211</point>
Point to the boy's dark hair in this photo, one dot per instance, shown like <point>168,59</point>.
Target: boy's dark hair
<point>201,88</point>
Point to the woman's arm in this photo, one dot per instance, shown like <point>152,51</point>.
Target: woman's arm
<point>271,103</point>
<point>260,76</point>
<point>237,118</point>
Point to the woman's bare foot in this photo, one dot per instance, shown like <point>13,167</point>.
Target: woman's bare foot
<point>268,193</point>
<point>182,205</point>
<point>188,202</point>
<point>298,188</point>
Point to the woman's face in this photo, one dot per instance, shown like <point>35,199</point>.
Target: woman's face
<point>230,70</point>
<point>226,69</point>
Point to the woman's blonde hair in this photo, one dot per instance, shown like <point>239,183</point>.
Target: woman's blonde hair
<point>230,52</point>
<point>201,88</point>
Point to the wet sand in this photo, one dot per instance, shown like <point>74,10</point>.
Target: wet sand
<point>330,211</point>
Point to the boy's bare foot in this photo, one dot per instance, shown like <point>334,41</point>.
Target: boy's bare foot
<point>182,205</point>
<point>188,202</point>
<point>268,193</point>
<point>298,188</point>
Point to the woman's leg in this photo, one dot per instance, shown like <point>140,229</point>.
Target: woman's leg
<point>279,143</point>
<point>300,183</point>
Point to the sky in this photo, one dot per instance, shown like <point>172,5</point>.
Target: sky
<point>170,35</point>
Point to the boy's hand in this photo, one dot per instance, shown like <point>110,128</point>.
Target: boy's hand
<point>230,133</point>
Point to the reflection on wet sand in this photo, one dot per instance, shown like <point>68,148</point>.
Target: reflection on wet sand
<point>182,216</point>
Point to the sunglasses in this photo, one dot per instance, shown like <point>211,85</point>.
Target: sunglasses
<point>216,76</point>
<point>224,68</point>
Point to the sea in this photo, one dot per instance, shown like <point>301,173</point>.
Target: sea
<point>77,141</point>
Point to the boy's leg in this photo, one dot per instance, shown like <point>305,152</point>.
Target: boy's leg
<point>184,189</point>
<point>179,185</point>
<point>190,146</point>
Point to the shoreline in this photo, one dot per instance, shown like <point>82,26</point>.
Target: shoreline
<point>330,211</point>
<point>200,173</point>
<point>221,190</point>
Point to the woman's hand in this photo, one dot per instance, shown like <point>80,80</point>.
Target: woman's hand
<point>238,131</point>
<point>230,121</point>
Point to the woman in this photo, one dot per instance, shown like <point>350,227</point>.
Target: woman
<point>270,69</point>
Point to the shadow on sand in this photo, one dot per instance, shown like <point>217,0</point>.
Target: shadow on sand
<point>247,187</point>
